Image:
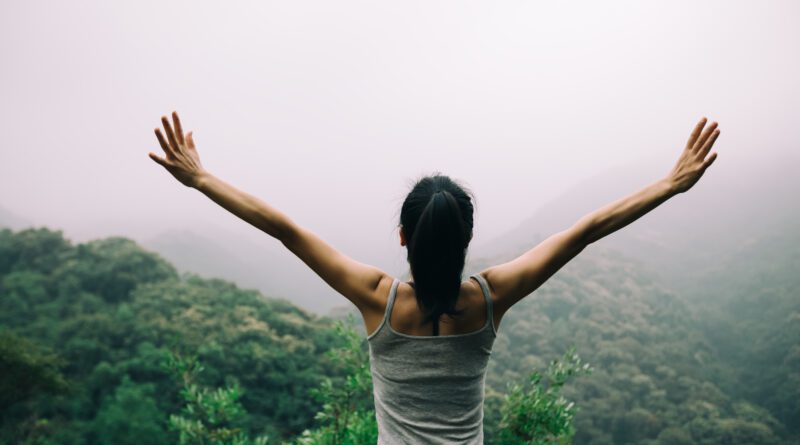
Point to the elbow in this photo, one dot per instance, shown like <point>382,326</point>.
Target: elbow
<point>287,234</point>
<point>582,233</point>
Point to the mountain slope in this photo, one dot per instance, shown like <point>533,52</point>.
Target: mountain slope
<point>679,239</point>
<point>112,312</point>
<point>11,220</point>
<point>656,371</point>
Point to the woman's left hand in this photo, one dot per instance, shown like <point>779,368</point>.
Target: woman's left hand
<point>182,160</point>
<point>693,161</point>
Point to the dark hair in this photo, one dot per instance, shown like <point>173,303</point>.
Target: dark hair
<point>437,222</point>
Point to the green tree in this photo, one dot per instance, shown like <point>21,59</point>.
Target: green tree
<point>537,413</point>
<point>130,416</point>
<point>209,416</point>
<point>29,373</point>
<point>347,416</point>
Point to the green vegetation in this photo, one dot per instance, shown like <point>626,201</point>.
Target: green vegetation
<point>702,367</point>
<point>347,416</point>
<point>104,315</point>
<point>532,414</point>
<point>539,414</point>
<point>210,416</point>
<point>104,342</point>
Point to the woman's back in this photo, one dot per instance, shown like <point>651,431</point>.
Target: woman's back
<point>430,389</point>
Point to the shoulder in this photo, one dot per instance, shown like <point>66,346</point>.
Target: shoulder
<point>374,306</point>
<point>497,312</point>
<point>376,302</point>
<point>477,284</point>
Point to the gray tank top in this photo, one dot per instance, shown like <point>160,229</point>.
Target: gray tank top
<point>430,389</point>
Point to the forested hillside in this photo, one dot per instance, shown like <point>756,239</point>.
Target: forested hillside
<point>108,312</point>
<point>85,330</point>
<point>659,377</point>
<point>749,305</point>
<point>690,316</point>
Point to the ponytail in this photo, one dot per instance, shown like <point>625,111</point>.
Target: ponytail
<point>437,253</point>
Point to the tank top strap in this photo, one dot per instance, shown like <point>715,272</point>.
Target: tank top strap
<point>487,295</point>
<point>388,312</point>
<point>390,300</point>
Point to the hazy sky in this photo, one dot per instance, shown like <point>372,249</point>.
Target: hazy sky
<point>328,109</point>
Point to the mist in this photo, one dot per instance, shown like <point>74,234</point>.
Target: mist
<point>329,110</point>
<point>118,285</point>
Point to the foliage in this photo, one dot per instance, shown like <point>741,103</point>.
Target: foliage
<point>84,329</point>
<point>111,310</point>
<point>28,372</point>
<point>659,369</point>
<point>209,416</point>
<point>130,416</point>
<point>347,416</point>
<point>537,413</point>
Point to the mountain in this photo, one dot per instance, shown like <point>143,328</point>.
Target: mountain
<point>658,377</point>
<point>749,305</point>
<point>11,220</point>
<point>251,263</point>
<point>718,365</point>
<point>690,315</point>
<point>98,322</point>
<point>732,204</point>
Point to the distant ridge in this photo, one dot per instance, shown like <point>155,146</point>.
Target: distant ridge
<point>745,200</point>
<point>13,221</point>
<point>235,258</point>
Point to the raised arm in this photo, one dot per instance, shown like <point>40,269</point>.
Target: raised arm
<point>358,282</point>
<point>512,281</point>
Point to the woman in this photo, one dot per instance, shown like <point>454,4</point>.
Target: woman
<point>430,338</point>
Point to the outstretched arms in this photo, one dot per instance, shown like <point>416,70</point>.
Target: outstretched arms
<point>358,282</point>
<point>513,280</point>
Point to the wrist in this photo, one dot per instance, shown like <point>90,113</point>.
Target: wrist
<point>669,186</point>
<point>201,180</point>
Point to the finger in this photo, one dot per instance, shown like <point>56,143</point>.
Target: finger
<point>708,144</point>
<point>190,140</point>
<point>170,134</point>
<point>178,128</point>
<point>164,145</point>
<point>154,157</point>
<point>695,133</point>
<point>709,161</point>
<point>703,137</point>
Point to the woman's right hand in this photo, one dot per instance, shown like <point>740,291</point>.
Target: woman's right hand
<point>182,160</point>
<point>693,161</point>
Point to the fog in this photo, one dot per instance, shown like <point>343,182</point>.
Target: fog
<point>329,110</point>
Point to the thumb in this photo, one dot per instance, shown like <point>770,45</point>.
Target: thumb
<point>154,157</point>
<point>709,161</point>
<point>190,140</point>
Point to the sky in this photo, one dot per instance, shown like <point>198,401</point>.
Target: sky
<point>329,110</point>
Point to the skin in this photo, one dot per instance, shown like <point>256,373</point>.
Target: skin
<point>367,287</point>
